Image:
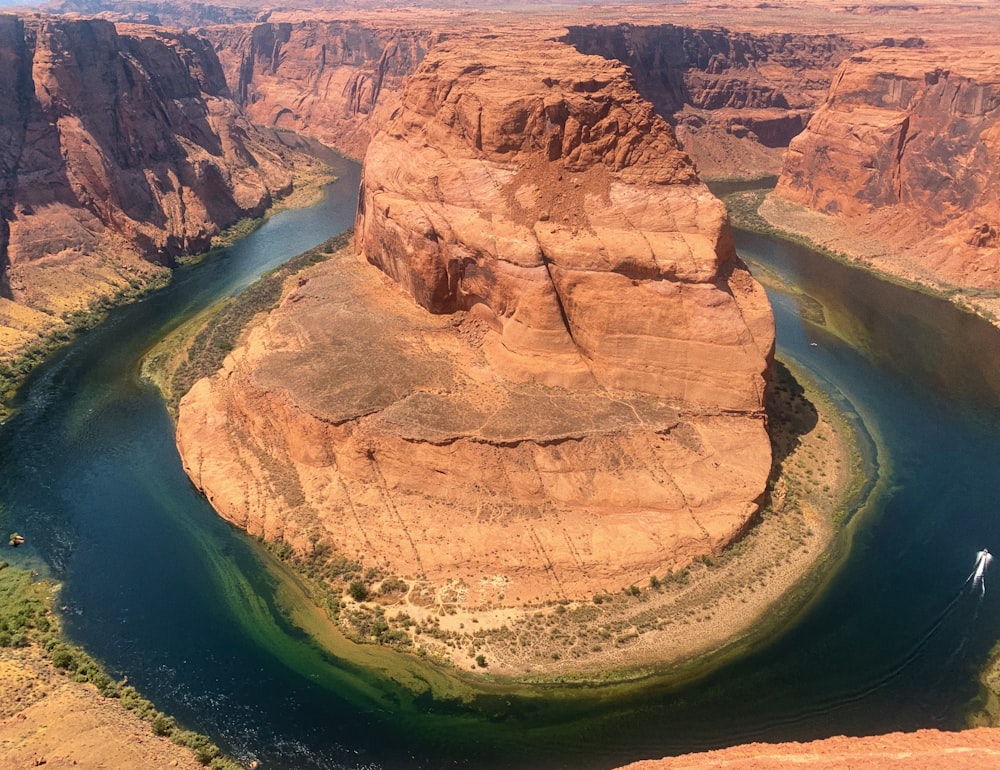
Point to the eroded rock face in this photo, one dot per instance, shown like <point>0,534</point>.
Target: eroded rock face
<point>574,400</point>
<point>736,98</point>
<point>558,208</point>
<point>905,148</point>
<point>116,144</point>
<point>335,80</point>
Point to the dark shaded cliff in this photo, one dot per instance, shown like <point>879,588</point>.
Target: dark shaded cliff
<point>735,99</point>
<point>114,146</point>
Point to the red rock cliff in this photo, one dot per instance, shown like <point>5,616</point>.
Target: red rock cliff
<point>335,80</point>
<point>905,148</point>
<point>115,144</point>
<point>736,98</point>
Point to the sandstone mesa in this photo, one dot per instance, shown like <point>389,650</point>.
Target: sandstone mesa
<point>881,95</point>
<point>582,405</point>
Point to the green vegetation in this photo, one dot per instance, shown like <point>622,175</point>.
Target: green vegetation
<point>235,232</point>
<point>358,590</point>
<point>26,619</point>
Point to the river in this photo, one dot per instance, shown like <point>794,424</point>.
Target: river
<point>158,588</point>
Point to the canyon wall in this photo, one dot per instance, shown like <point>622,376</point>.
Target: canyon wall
<point>736,98</point>
<point>161,12</point>
<point>904,150</point>
<point>334,80</point>
<point>118,149</point>
<point>553,388</point>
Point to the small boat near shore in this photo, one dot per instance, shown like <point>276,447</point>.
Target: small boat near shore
<point>16,539</point>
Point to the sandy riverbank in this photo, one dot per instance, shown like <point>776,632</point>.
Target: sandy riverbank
<point>51,711</point>
<point>873,253</point>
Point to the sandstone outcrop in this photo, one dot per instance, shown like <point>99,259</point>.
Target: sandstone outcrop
<point>117,147</point>
<point>574,400</point>
<point>736,98</point>
<point>904,150</point>
<point>920,750</point>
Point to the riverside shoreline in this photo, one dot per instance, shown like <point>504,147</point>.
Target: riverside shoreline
<point>676,623</point>
<point>839,241</point>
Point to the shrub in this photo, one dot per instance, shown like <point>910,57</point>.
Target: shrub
<point>64,658</point>
<point>358,590</point>
<point>162,724</point>
<point>393,586</point>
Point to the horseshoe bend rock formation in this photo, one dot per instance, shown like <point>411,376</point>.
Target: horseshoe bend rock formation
<point>555,386</point>
<point>905,149</point>
<point>116,146</point>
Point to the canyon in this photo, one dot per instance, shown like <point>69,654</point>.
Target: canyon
<point>577,358</point>
<point>734,98</point>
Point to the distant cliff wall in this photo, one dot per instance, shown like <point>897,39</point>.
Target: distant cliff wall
<point>335,80</point>
<point>735,99</point>
<point>905,148</point>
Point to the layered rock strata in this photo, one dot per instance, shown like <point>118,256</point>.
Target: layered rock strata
<point>553,388</point>
<point>920,750</point>
<point>335,80</point>
<point>904,150</point>
<point>117,147</point>
<point>735,98</point>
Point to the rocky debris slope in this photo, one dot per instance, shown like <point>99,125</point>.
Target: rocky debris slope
<point>904,150</point>
<point>335,80</point>
<point>574,400</point>
<point>118,146</point>
<point>736,98</point>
